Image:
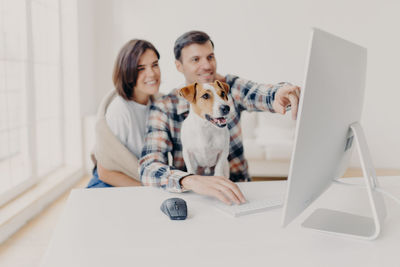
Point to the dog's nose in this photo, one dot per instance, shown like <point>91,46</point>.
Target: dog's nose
<point>224,109</point>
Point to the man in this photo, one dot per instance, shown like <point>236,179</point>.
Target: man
<point>195,59</point>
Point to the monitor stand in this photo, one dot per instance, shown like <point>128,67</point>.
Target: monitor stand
<point>352,225</point>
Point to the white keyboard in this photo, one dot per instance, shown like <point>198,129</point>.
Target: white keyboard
<point>250,207</point>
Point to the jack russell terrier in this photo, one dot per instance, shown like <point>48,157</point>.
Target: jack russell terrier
<point>204,134</point>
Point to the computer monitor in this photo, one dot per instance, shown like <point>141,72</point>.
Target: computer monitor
<point>327,128</point>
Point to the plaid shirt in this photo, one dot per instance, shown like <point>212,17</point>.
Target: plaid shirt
<point>164,130</point>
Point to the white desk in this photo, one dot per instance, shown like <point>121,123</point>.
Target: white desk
<point>125,227</point>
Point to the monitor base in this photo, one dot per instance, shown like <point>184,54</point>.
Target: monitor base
<point>352,225</point>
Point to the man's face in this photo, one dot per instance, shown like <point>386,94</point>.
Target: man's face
<point>198,63</point>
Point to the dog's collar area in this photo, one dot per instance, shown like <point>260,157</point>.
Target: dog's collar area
<point>219,122</point>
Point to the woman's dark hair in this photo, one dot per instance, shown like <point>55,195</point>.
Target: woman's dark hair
<point>125,68</point>
<point>192,37</point>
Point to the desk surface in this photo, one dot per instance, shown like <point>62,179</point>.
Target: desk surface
<point>125,227</point>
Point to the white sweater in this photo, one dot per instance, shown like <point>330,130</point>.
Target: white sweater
<point>127,120</point>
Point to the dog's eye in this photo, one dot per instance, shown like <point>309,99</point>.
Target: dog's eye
<point>206,96</point>
<point>222,94</point>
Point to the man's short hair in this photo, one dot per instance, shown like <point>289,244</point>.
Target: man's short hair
<point>188,38</point>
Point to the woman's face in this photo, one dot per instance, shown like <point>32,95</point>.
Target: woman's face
<point>149,75</point>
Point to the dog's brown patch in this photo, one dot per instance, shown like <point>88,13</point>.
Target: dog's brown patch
<point>222,89</point>
<point>204,102</point>
<point>189,92</point>
<point>201,99</point>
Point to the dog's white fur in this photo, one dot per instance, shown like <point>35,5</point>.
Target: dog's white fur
<point>205,144</point>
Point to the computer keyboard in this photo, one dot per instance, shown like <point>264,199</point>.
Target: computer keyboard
<point>250,207</point>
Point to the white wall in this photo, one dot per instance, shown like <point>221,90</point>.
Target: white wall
<point>70,81</point>
<point>86,56</point>
<point>265,41</point>
<point>96,51</point>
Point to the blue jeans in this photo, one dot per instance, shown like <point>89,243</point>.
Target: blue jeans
<point>95,182</point>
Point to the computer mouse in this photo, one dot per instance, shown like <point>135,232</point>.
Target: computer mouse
<point>175,208</point>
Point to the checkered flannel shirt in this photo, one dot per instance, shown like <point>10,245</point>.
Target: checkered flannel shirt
<point>164,130</point>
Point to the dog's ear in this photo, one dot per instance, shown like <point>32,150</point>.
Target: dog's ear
<point>189,92</point>
<point>223,86</point>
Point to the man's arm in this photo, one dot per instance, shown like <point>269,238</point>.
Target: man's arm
<point>154,168</point>
<point>252,96</point>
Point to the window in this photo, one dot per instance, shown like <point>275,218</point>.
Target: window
<point>47,84</point>
<point>32,143</point>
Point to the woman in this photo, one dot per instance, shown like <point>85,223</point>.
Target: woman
<point>136,78</point>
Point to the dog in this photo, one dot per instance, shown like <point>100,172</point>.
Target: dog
<point>204,133</point>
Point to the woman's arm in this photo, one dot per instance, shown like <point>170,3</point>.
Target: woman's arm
<point>115,178</point>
